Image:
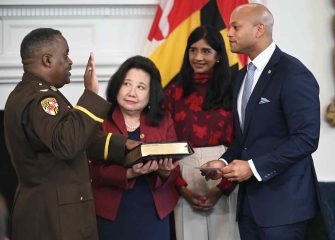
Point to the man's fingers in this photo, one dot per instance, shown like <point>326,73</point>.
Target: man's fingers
<point>229,175</point>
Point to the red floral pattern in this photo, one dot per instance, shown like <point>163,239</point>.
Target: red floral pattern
<point>200,128</point>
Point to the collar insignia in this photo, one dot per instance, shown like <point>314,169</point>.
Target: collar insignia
<point>53,88</point>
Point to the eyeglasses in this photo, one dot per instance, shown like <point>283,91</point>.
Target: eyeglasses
<point>202,51</point>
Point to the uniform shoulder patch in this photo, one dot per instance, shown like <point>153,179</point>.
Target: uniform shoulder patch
<point>50,106</point>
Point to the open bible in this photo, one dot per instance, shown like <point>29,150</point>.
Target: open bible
<point>156,151</point>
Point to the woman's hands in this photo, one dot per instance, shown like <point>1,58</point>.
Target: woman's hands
<point>197,201</point>
<point>165,166</point>
<point>162,166</point>
<point>201,202</point>
<point>140,169</point>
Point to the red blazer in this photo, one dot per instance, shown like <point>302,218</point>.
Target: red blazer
<point>109,180</point>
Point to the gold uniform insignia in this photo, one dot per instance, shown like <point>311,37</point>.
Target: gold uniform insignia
<point>53,88</point>
<point>50,106</point>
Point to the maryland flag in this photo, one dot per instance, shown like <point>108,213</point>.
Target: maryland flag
<point>173,23</point>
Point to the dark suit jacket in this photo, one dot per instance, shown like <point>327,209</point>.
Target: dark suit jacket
<point>109,180</point>
<point>54,199</point>
<point>279,137</point>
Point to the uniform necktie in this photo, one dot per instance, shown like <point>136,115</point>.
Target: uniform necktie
<point>247,89</point>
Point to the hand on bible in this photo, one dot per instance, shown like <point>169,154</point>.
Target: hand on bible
<point>130,144</point>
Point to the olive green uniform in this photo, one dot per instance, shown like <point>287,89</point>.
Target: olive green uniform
<point>49,142</point>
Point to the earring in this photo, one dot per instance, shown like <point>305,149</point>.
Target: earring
<point>217,61</point>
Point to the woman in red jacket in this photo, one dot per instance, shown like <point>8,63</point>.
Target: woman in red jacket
<point>135,203</point>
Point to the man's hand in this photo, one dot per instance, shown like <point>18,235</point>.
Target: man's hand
<point>212,174</point>
<point>130,144</point>
<point>90,79</point>
<point>237,171</point>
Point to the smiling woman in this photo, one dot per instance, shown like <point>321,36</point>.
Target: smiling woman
<point>200,101</point>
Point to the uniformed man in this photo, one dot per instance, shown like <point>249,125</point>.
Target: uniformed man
<point>49,140</point>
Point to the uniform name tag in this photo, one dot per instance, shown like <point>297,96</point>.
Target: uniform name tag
<point>50,106</point>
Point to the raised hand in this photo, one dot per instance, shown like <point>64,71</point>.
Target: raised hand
<point>90,79</point>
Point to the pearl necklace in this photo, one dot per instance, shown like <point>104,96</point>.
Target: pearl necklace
<point>129,127</point>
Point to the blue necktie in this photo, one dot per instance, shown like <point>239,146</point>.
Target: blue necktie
<point>247,89</point>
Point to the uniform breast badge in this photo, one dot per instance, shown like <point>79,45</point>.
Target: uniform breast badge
<point>50,106</point>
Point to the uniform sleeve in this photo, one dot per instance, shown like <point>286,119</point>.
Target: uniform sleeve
<point>108,175</point>
<point>66,132</point>
<point>108,147</point>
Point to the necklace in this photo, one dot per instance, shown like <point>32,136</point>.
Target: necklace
<point>129,127</point>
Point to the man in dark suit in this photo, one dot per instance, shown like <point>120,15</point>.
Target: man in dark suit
<point>48,141</point>
<point>277,124</point>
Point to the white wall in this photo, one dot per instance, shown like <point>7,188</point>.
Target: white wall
<point>303,28</point>
<point>112,31</point>
<point>116,29</point>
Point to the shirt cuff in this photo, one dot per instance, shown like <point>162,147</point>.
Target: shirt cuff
<point>254,170</point>
<point>221,159</point>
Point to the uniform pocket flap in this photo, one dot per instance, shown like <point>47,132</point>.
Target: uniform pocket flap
<point>74,193</point>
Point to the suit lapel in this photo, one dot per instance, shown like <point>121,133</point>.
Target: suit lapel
<point>263,81</point>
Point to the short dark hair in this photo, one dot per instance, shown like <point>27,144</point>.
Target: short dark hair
<point>154,111</point>
<point>219,91</point>
<point>36,39</point>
